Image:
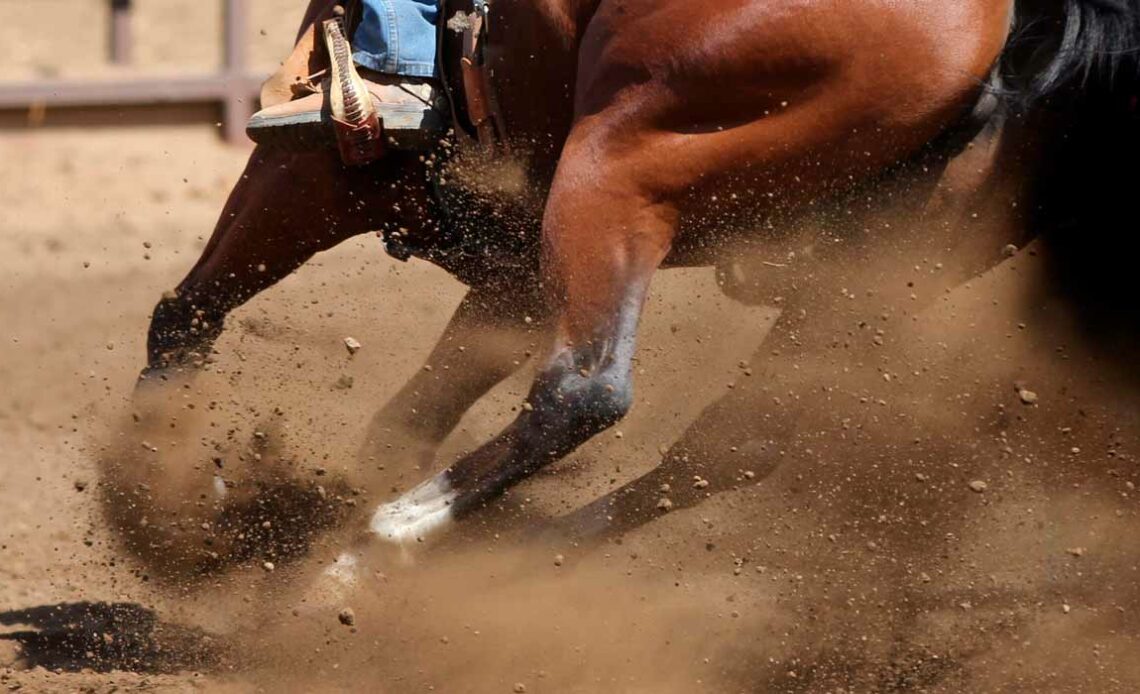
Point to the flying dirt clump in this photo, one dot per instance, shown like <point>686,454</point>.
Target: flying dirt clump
<point>183,509</point>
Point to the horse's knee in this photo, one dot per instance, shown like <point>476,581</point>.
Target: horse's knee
<point>178,329</point>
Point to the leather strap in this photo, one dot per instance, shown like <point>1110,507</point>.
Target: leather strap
<point>479,98</point>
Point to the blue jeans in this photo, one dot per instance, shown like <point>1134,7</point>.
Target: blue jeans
<point>398,37</point>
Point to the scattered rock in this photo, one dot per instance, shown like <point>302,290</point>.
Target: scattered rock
<point>268,565</point>
<point>1009,250</point>
<point>352,345</point>
<point>1076,551</point>
<point>344,382</point>
<point>664,504</point>
<point>1028,397</point>
<point>80,485</point>
<point>1065,608</point>
<point>347,617</point>
<point>558,559</point>
<point>978,486</point>
<point>520,688</point>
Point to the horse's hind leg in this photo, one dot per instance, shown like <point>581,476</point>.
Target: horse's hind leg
<point>604,238</point>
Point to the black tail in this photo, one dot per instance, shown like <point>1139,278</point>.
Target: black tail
<point>1072,73</point>
<point>1061,45</point>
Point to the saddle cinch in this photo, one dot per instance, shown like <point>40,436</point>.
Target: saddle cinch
<point>321,62</point>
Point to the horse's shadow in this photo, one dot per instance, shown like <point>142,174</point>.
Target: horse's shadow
<point>104,636</point>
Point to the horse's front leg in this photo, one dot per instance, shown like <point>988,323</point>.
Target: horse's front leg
<point>284,209</point>
<point>603,238</point>
<point>183,507</point>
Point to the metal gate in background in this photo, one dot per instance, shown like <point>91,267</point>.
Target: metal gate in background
<point>233,88</point>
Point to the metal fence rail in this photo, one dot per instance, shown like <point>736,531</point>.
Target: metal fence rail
<point>233,88</point>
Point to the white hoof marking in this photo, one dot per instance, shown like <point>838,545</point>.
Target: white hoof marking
<point>418,514</point>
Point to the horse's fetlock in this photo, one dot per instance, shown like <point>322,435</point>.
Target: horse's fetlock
<point>178,328</point>
<point>594,400</point>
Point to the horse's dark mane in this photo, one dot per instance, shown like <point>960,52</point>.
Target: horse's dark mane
<point>1056,45</point>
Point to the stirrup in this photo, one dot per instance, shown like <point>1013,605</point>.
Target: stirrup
<point>357,124</point>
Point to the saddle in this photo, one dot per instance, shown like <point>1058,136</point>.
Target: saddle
<point>318,62</point>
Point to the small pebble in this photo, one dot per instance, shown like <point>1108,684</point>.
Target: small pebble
<point>352,345</point>
<point>978,486</point>
<point>347,617</point>
<point>1028,397</point>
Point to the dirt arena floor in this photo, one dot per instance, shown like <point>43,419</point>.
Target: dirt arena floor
<point>940,500</point>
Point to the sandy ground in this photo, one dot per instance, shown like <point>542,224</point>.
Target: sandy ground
<point>854,551</point>
<point>68,38</point>
<point>80,278</point>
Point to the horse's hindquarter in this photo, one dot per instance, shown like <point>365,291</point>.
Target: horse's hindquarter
<point>773,102</point>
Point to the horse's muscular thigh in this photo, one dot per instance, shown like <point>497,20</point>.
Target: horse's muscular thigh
<point>779,88</point>
<point>915,43</point>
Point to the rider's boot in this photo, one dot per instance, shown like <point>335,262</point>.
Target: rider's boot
<point>359,111</point>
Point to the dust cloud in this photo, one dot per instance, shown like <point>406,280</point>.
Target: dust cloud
<point>896,466</point>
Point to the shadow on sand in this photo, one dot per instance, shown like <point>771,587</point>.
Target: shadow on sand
<point>104,636</point>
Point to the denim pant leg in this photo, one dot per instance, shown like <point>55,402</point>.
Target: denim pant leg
<point>398,37</point>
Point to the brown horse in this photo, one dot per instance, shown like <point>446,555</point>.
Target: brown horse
<point>646,134</point>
